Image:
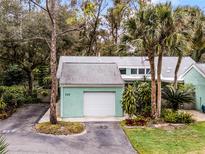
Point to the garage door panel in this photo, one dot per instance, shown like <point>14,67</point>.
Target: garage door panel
<point>99,104</point>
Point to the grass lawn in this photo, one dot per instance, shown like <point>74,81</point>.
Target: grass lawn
<point>190,139</point>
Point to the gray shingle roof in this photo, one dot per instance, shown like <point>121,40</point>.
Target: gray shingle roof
<point>168,65</point>
<point>120,61</point>
<point>90,74</point>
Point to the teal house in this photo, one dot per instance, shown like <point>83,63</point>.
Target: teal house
<point>195,75</point>
<point>93,86</point>
<point>91,90</point>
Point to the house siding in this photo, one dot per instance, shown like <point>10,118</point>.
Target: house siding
<point>195,78</point>
<point>72,100</point>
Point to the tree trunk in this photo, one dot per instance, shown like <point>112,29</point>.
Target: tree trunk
<point>53,65</point>
<point>153,83</point>
<point>176,72</point>
<point>30,82</point>
<point>159,92</point>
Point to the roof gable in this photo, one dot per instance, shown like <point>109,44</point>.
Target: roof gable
<point>90,74</point>
<point>200,68</point>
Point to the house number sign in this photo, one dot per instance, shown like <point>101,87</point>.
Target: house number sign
<point>67,94</point>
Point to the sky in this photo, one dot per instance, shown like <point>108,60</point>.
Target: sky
<point>198,3</point>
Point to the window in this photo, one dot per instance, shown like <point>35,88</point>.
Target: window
<point>133,71</point>
<point>123,70</point>
<point>141,71</point>
<point>147,70</point>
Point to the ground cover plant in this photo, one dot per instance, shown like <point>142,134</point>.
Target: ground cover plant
<point>61,128</point>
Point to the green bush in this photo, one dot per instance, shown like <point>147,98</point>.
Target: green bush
<point>129,100</point>
<point>47,82</point>
<point>137,99</point>
<point>143,99</point>
<point>177,97</point>
<point>13,75</point>
<point>176,116</point>
<point>2,105</point>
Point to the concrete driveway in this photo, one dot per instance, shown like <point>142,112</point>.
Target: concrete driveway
<point>101,138</point>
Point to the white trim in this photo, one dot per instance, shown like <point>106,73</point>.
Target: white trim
<point>196,68</point>
<point>139,66</point>
<point>92,86</point>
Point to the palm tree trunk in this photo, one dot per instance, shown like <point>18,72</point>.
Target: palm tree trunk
<point>159,92</point>
<point>153,84</point>
<point>53,65</point>
<point>176,72</point>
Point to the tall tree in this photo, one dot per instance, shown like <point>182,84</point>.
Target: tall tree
<point>188,20</point>
<point>52,9</point>
<point>142,32</point>
<point>20,41</point>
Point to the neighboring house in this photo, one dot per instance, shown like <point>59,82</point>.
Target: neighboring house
<point>195,75</point>
<point>93,86</point>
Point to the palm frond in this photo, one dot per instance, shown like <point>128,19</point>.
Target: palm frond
<point>3,146</point>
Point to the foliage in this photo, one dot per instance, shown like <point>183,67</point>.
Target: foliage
<point>3,146</point>
<point>175,97</point>
<point>47,82</point>
<point>12,97</point>
<point>61,128</point>
<point>2,105</point>
<point>137,99</point>
<point>43,92</point>
<point>177,116</point>
<point>137,121</point>
<point>129,100</point>
<point>13,75</point>
<point>189,139</point>
<point>143,98</point>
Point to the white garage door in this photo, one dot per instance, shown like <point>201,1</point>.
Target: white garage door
<point>99,104</point>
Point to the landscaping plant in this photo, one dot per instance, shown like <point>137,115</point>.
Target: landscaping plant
<point>137,121</point>
<point>13,97</point>
<point>176,116</point>
<point>143,99</point>
<point>176,97</point>
<point>137,99</point>
<point>129,100</point>
<point>3,146</point>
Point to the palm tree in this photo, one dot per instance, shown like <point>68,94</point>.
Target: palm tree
<point>3,146</point>
<point>198,42</point>
<point>167,28</point>
<point>187,20</point>
<point>142,32</point>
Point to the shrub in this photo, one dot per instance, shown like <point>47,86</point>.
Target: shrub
<point>176,116</point>
<point>2,105</point>
<point>129,100</point>
<point>177,97</point>
<point>138,121</point>
<point>3,146</point>
<point>143,99</point>
<point>47,82</point>
<point>13,75</point>
<point>137,99</point>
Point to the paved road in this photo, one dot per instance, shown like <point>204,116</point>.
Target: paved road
<point>101,138</point>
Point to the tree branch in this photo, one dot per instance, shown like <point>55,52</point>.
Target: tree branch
<point>70,30</point>
<point>38,5</point>
<point>49,12</point>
